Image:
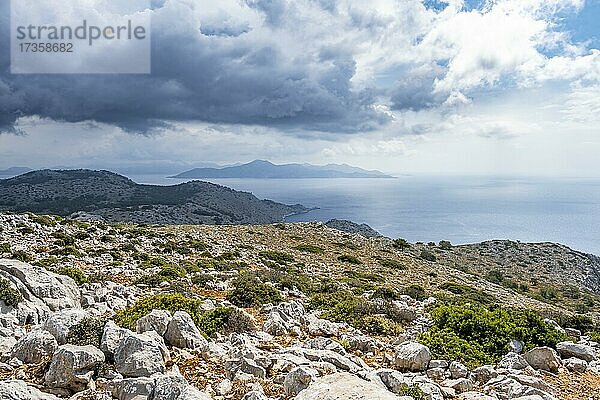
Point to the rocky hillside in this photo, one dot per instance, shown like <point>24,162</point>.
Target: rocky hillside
<point>90,310</point>
<point>115,198</point>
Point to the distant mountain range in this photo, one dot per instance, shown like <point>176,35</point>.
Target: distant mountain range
<point>261,169</point>
<point>115,198</point>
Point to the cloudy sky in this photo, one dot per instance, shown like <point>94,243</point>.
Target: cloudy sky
<point>405,86</point>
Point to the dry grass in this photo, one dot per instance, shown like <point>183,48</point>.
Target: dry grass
<point>569,386</point>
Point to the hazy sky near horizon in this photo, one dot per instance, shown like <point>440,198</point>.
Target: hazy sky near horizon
<point>404,86</point>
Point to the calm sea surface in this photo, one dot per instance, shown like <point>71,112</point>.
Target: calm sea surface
<point>459,209</point>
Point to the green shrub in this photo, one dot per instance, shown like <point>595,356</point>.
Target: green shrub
<point>21,256</point>
<point>445,245</point>
<point>251,292</point>
<point>548,293</point>
<point>128,317</point>
<point>276,256</point>
<point>413,391</point>
<point>427,255</point>
<point>389,263</point>
<point>401,244</point>
<point>47,263</point>
<point>447,345</point>
<point>350,259</point>
<point>66,251</point>
<point>73,272</point>
<point>415,291</point>
<point>43,220</point>
<point>362,315</point>
<point>87,332</point>
<point>213,321</point>
<point>63,239</point>
<point>309,248</point>
<point>11,297</point>
<point>385,293</point>
<point>477,335</point>
<point>468,293</point>
<point>4,248</point>
<point>495,276</point>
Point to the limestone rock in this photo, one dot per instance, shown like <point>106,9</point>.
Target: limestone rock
<point>59,323</point>
<point>298,379</point>
<point>140,355</point>
<point>72,367</point>
<point>581,351</point>
<point>543,358</point>
<point>19,390</point>
<point>412,356</point>
<point>157,320</point>
<point>344,386</point>
<point>35,347</point>
<point>183,333</point>
<point>112,336</point>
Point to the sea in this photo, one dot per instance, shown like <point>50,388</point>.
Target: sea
<point>433,208</point>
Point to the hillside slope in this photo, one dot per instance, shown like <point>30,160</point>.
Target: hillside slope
<point>115,198</point>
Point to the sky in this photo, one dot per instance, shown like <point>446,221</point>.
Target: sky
<point>504,87</point>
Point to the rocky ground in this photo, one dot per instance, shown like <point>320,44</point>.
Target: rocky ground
<point>96,311</point>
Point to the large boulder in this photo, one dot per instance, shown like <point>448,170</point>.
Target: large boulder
<point>19,390</point>
<point>112,336</point>
<point>175,387</point>
<point>183,333</point>
<point>56,291</point>
<point>298,379</point>
<point>157,320</point>
<point>581,351</point>
<point>412,356</point>
<point>42,293</point>
<point>345,386</point>
<point>513,361</point>
<point>544,358</point>
<point>35,347</point>
<point>140,355</point>
<point>72,367</point>
<point>60,322</point>
<point>131,388</point>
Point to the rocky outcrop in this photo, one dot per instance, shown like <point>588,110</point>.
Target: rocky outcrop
<point>345,386</point>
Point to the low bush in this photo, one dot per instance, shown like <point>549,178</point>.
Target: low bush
<point>87,332</point>
<point>309,248</point>
<point>350,259</point>
<point>478,335</point>
<point>10,296</point>
<point>21,256</point>
<point>413,391</point>
<point>72,272</point>
<point>389,263</point>
<point>128,317</point>
<point>401,244</point>
<point>213,321</point>
<point>276,256</point>
<point>427,255</point>
<point>4,248</point>
<point>445,245</point>
<point>44,220</point>
<point>251,292</point>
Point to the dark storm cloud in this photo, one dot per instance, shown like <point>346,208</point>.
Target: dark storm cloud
<point>212,73</point>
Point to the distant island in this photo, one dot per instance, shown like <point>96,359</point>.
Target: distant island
<point>261,169</point>
<point>13,171</point>
<point>111,197</point>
